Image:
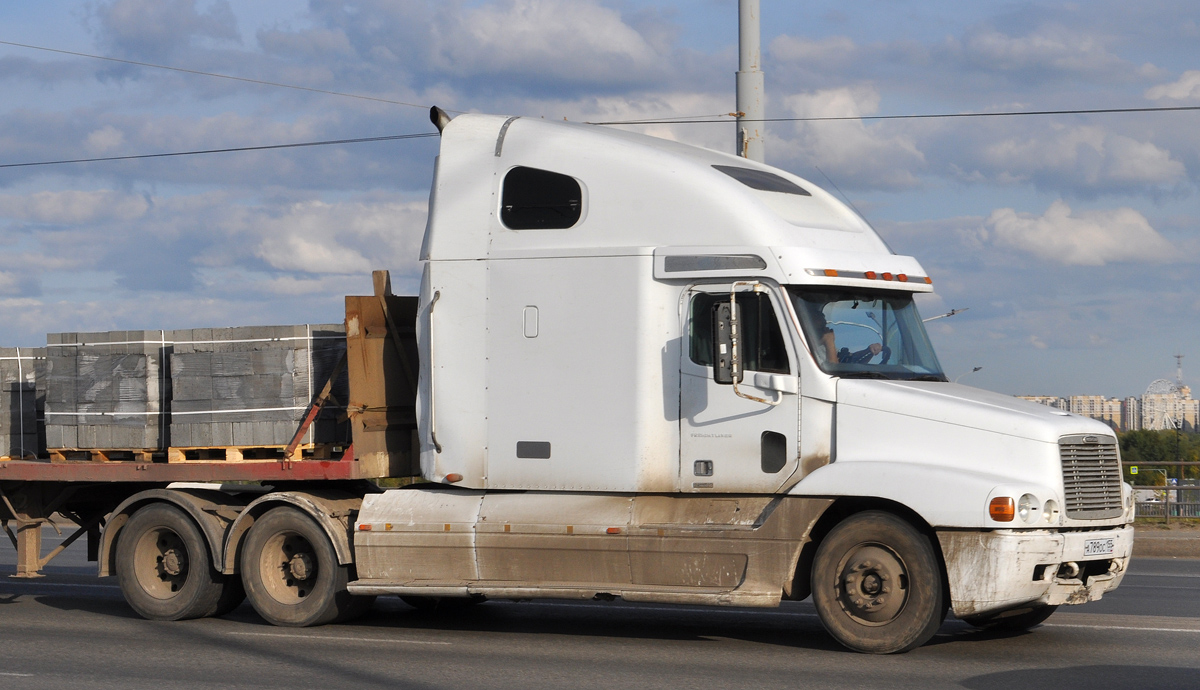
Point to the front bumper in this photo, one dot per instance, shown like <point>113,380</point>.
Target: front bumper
<point>1002,569</point>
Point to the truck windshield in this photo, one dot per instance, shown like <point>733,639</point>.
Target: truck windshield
<point>858,333</point>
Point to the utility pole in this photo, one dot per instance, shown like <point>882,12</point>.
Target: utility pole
<point>750,126</point>
<point>1182,413</point>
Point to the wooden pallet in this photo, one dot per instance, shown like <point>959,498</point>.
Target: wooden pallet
<point>102,455</point>
<point>235,453</point>
<point>310,451</point>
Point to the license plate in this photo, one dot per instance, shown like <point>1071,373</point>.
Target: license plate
<point>1098,547</point>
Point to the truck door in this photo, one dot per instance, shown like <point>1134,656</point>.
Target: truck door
<point>729,442</point>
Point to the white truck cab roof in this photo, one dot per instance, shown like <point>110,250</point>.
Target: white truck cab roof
<point>701,213</point>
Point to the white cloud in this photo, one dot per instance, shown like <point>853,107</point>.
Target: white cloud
<point>1082,157</point>
<point>667,105</point>
<point>347,237</point>
<point>831,49</point>
<point>1050,46</point>
<point>579,39</point>
<point>1086,238</point>
<point>11,283</point>
<point>1187,87</point>
<point>73,207</point>
<point>162,26</point>
<point>104,139</point>
<point>294,253</point>
<point>862,156</point>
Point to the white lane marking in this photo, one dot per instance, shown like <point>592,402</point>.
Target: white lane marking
<point>328,638</point>
<point>1119,627</point>
<point>19,675</point>
<point>1125,586</point>
<point>1158,575</point>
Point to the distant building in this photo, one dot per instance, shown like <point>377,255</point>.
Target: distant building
<point>1048,400</point>
<point>1165,405</point>
<point>1131,414</point>
<point>1107,410</point>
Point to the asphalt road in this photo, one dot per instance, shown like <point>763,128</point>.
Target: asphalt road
<point>72,630</point>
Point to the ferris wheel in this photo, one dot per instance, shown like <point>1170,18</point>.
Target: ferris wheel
<point>1162,404</point>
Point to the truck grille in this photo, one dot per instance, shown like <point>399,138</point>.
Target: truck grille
<point>1091,476</point>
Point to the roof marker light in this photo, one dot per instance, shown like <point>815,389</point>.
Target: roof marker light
<point>928,280</point>
<point>870,275</point>
<point>902,277</point>
<point>887,276</point>
<point>832,273</point>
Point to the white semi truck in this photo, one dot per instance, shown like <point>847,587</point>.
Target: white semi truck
<point>645,370</point>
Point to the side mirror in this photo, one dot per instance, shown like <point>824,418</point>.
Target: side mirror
<point>725,367</point>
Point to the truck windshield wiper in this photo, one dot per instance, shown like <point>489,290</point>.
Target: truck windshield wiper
<point>929,377</point>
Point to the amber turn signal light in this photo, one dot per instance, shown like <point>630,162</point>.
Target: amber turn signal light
<point>1002,509</point>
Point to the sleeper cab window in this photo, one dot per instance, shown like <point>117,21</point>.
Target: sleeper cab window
<point>763,346</point>
<point>533,199</point>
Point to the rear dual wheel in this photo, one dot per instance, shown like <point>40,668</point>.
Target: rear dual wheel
<point>291,572</point>
<point>165,569</point>
<point>877,584</point>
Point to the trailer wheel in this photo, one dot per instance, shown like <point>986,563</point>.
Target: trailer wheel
<point>291,572</point>
<point>877,584</point>
<point>1015,620</point>
<point>164,568</point>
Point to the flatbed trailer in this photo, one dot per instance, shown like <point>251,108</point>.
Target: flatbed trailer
<point>381,362</point>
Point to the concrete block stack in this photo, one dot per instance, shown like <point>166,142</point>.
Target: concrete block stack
<point>107,390</point>
<point>22,402</point>
<point>250,386</point>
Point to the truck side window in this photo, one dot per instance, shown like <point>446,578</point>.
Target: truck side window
<point>535,199</point>
<point>762,346</point>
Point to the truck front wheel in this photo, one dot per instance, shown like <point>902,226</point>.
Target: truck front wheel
<point>291,572</point>
<point>877,585</point>
<point>164,568</point>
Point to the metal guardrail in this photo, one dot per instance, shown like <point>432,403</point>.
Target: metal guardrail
<point>1159,509</point>
<point>1170,502</point>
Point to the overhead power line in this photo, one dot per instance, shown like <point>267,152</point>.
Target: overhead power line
<point>926,116</point>
<point>214,74</point>
<point>360,140</point>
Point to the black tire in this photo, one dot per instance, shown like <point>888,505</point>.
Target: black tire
<point>164,567</point>
<point>877,584</point>
<point>291,573</point>
<point>232,596</point>
<point>1013,620</point>
<point>441,604</point>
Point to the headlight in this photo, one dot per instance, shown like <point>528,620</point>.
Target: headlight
<point>1028,508</point>
<point>1050,512</point>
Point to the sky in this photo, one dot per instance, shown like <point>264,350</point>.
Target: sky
<point>1073,241</point>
